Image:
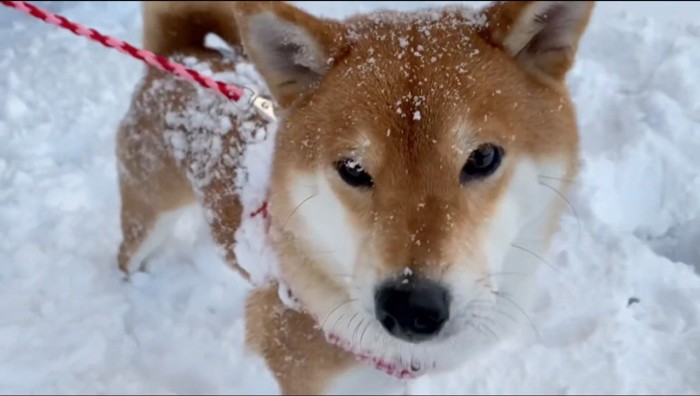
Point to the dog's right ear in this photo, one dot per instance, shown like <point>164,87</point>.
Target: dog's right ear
<point>291,49</point>
<point>542,36</point>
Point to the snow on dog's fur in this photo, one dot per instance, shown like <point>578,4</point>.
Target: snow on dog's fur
<point>417,176</point>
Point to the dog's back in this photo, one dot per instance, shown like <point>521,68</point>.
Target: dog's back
<point>179,143</point>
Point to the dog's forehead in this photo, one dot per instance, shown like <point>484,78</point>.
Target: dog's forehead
<point>416,79</point>
<point>415,43</point>
<point>425,21</point>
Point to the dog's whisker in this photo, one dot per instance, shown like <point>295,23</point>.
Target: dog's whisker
<point>542,259</point>
<point>323,322</point>
<point>478,329</point>
<point>284,226</point>
<point>354,333</point>
<point>481,317</point>
<point>479,306</point>
<point>351,319</point>
<point>493,333</point>
<point>558,178</point>
<point>483,327</point>
<point>336,323</point>
<point>504,273</point>
<point>369,323</point>
<point>494,310</point>
<point>578,219</point>
<point>522,311</point>
<point>540,240</point>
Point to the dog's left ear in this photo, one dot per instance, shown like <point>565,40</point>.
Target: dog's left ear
<point>543,36</point>
<point>291,49</point>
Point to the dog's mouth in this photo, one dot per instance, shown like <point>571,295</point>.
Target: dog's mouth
<point>395,368</point>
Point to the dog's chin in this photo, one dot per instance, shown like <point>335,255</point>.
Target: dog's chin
<point>365,338</point>
<point>391,365</point>
<point>396,362</point>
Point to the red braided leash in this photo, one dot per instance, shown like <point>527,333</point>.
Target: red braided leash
<point>232,92</point>
<point>157,61</point>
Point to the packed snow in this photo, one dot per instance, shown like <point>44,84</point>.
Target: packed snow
<point>620,301</point>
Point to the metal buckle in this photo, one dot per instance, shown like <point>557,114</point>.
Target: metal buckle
<point>264,107</point>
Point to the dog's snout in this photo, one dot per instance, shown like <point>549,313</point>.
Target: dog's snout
<point>413,310</point>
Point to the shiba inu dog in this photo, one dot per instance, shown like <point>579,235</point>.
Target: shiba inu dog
<point>408,213</point>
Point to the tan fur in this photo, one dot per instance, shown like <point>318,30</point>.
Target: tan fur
<point>418,216</point>
<point>291,344</point>
<point>170,26</point>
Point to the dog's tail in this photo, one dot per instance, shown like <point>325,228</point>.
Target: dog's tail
<point>172,26</point>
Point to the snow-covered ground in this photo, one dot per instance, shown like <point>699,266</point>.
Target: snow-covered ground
<point>620,314</point>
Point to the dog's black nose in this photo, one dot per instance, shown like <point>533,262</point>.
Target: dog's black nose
<point>412,309</point>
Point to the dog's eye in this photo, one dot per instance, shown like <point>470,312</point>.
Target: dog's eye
<point>352,173</point>
<point>482,162</point>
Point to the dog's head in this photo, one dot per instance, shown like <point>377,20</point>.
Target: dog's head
<point>419,155</point>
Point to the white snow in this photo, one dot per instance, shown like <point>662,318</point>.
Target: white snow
<point>618,315</point>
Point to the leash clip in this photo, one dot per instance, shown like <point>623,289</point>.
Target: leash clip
<point>264,107</point>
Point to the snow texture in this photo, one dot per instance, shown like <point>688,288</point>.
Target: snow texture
<point>620,302</point>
